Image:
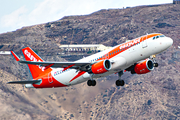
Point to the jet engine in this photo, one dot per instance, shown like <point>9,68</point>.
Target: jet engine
<point>143,67</point>
<point>101,67</point>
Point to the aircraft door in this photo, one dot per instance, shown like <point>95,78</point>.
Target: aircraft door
<point>144,43</point>
<point>50,79</point>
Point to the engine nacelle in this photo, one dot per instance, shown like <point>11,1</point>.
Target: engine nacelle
<point>143,67</point>
<point>101,67</point>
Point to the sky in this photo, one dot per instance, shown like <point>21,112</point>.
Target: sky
<point>15,14</point>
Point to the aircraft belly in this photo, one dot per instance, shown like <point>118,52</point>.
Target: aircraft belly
<point>65,77</point>
<point>78,80</point>
<point>119,62</point>
<point>86,75</point>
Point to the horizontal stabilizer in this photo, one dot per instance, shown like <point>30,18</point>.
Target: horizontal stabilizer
<point>24,82</point>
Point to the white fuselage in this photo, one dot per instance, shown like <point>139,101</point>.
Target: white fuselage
<point>126,55</point>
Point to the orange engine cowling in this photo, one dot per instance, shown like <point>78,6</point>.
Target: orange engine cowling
<point>143,67</point>
<point>101,67</point>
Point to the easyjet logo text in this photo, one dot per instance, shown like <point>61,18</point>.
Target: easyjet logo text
<point>131,43</point>
<point>32,58</point>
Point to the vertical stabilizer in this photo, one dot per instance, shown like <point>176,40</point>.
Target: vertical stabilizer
<point>30,55</point>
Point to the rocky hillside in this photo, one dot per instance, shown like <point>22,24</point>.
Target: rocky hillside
<point>151,96</point>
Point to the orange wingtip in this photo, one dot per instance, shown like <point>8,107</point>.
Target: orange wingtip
<point>15,56</point>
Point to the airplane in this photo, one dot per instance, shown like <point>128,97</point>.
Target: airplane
<point>136,56</point>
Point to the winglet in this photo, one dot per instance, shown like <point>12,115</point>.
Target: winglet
<point>15,56</point>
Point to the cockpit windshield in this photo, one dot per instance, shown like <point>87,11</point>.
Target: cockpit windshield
<point>159,36</point>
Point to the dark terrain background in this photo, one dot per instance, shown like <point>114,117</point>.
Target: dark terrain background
<point>155,95</point>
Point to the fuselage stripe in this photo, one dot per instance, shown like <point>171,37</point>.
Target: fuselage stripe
<point>125,46</point>
<point>78,75</point>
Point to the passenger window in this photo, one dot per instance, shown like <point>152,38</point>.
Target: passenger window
<point>154,38</point>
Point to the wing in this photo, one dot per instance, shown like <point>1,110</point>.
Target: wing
<point>74,65</point>
<point>66,65</point>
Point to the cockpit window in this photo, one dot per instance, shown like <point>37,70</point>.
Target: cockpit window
<point>156,37</point>
<point>162,36</point>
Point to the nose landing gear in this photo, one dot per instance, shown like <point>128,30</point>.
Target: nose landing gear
<point>155,64</point>
<point>154,61</point>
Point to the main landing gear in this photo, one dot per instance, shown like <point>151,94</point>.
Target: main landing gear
<point>91,82</point>
<point>120,82</point>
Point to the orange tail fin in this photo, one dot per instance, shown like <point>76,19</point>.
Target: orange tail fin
<point>30,55</point>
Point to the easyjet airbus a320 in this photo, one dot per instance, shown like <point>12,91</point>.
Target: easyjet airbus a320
<point>136,56</point>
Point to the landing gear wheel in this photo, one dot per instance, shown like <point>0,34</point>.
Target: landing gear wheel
<point>120,82</point>
<point>155,64</point>
<point>91,82</point>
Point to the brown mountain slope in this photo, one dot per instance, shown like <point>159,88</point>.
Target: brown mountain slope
<point>151,96</point>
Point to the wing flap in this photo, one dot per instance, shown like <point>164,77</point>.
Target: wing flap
<point>24,82</point>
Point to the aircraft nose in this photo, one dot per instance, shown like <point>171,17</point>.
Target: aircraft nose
<point>169,42</point>
<point>166,43</point>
